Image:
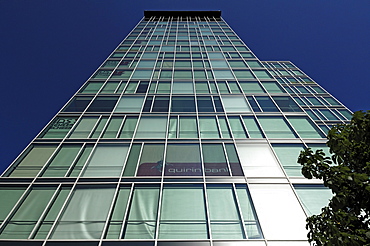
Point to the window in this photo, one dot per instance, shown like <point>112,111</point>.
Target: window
<point>141,222</point>
<point>258,161</point>
<point>85,215</point>
<point>183,104</point>
<point>151,160</point>
<point>84,127</point>
<point>130,104</point>
<point>183,160</point>
<point>62,161</point>
<point>208,127</point>
<point>288,156</point>
<point>32,161</point>
<point>78,104</point>
<point>183,214</point>
<point>26,216</point>
<point>152,127</point>
<point>287,104</point>
<point>106,161</point>
<point>275,127</point>
<point>214,160</point>
<point>313,197</point>
<point>305,127</point>
<point>235,104</point>
<point>59,127</point>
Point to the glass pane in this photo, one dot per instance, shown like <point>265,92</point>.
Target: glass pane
<point>275,127</point>
<point>205,104</point>
<point>9,197</point>
<point>235,104</point>
<point>183,104</point>
<point>152,127</point>
<point>115,222</point>
<point>305,127</point>
<point>237,127</point>
<point>59,127</point>
<point>26,216</point>
<point>313,197</point>
<point>130,104</point>
<point>128,127</point>
<point>182,88</point>
<point>288,156</point>
<point>183,212</point>
<point>287,104</point>
<point>223,74</point>
<point>151,161</point>
<point>188,127</point>
<point>102,104</point>
<point>214,160</point>
<point>85,215</point>
<point>132,160</point>
<point>208,127</point>
<point>251,223</point>
<point>84,127</point>
<point>183,160</point>
<point>253,129</point>
<point>31,163</point>
<point>92,87</point>
<point>61,162</point>
<point>106,161</point>
<point>258,161</point>
<point>272,87</point>
<point>78,104</point>
<point>143,213</point>
<point>113,127</point>
<point>266,104</point>
<point>268,199</point>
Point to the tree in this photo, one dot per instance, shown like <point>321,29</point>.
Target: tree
<point>346,220</point>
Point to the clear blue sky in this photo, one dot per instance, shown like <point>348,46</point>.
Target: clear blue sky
<point>49,48</point>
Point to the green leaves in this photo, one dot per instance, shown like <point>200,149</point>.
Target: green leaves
<point>346,221</point>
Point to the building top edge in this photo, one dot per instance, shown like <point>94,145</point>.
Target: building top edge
<point>155,13</point>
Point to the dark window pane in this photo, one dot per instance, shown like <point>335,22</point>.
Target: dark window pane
<point>161,104</point>
<point>205,104</point>
<point>183,104</point>
<point>103,104</point>
<point>286,104</point>
<point>78,104</point>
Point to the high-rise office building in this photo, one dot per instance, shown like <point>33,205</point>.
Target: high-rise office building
<point>181,137</point>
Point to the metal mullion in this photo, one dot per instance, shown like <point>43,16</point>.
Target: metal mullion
<point>255,100</point>
<point>16,206</point>
<point>88,159</point>
<point>110,211</point>
<point>48,160</point>
<point>46,210</point>
<point>227,159</point>
<point>95,126</point>
<point>235,194</point>
<point>128,206</point>
<point>157,224</point>
<point>259,126</point>
<point>61,211</point>
<point>208,217</point>
<point>106,125</point>
<point>292,127</point>
<point>244,126</point>
<point>139,158</point>
<point>71,167</point>
<point>121,126</point>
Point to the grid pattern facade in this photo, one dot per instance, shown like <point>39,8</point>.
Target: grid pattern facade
<point>181,137</point>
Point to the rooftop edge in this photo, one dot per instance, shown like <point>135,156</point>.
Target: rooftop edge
<point>154,13</point>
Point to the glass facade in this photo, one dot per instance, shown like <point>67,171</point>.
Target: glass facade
<point>181,137</point>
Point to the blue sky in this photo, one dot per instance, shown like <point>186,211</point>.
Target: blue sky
<point>49,48</point>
